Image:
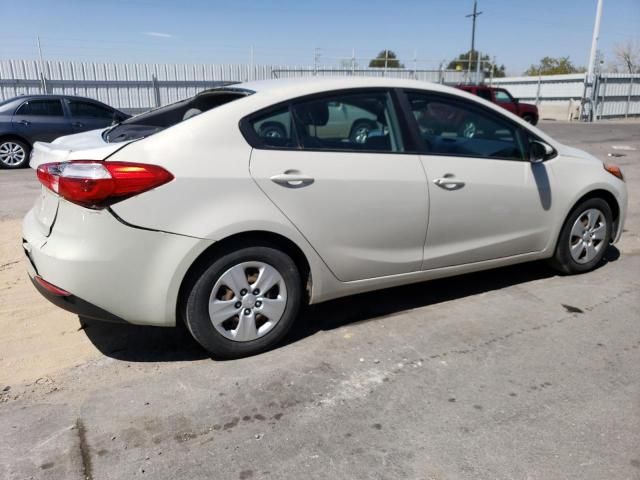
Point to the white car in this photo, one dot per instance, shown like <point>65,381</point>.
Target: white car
<point>231,210</point>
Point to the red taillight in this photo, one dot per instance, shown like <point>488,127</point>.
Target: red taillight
<point>99,184</point>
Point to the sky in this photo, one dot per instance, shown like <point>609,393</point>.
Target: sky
<point>292,32</point>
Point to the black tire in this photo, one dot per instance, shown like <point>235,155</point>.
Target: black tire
<point>196,312</point>
<point>529,119</point>
<point>562,259</point>
<point>8,164</point>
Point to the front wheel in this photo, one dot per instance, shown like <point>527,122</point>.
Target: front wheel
<point>244,302</point>
<point>584,237</point>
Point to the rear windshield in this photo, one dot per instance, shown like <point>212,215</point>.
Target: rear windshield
<point>158,119</point>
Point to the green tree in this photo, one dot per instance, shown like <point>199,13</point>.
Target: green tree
<point>386,58</point>
<point>554,66</point>
<point>461,62</point>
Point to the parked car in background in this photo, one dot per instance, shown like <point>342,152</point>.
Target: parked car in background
<point>231,210</point>
<point>502,97</point>
<point>31,118</point>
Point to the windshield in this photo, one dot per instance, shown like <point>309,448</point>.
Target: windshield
<point>153,121</point>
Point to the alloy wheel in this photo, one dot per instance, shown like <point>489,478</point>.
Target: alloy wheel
<point>12,154</point>
<point>587,235</point>
<point>247,301</point>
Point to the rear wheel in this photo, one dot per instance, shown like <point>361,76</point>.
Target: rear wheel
<point>244,302</point>
<point>529,119</point>
<point>584,237</point>
<point>14,153</point>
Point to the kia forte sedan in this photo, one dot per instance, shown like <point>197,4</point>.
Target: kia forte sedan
<point>231,210</point>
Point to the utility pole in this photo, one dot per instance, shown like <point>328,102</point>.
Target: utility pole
<point>42,79</point>
<point>353,61</point>
<point>473,15</point>
<point>386,59</point>
<point>252,72</point>
<point>594,41</point>
<point>587,111</point>
<point>316,59</point>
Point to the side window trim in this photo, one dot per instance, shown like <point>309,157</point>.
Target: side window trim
<point>422,148</point>
<point>410,143</point>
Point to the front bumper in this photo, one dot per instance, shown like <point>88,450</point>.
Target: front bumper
<point>114,272</point>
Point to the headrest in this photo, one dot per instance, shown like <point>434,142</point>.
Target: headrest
<point>313,113</point>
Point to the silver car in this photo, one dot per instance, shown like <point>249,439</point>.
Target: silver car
<point>233,209</point>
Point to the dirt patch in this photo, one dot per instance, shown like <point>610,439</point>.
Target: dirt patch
<point>36,338</point>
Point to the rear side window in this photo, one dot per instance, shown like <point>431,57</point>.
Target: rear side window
<point>46,108</point>
<point>275,129</point>
<point>456,127</point>
<point>486,94</point>
<point>363,121</point>
<point>87,109</point>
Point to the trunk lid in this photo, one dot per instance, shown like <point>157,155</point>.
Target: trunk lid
<point>82,146</point>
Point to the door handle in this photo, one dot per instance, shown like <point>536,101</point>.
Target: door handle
<point>77,124</point>
<point>448,182</point>
<point>292,179</point>
<point>26,123</point>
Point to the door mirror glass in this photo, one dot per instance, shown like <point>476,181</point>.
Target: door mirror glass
<point>539,151</point>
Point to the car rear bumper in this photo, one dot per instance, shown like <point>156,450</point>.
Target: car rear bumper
<point>111,271</point>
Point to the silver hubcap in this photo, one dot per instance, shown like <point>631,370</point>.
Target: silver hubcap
<point>247,301</point>
<point>12,153</point>
<point>587,235</point>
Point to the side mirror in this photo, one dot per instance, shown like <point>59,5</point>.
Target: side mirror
<point>539,151</point>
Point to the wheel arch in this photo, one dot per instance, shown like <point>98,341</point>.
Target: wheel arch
<point>605,195</point>
<point>14,136</point>
<point>242,240</point>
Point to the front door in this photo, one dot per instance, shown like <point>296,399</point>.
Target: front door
<point>487,201</point>
<point>359,200</point>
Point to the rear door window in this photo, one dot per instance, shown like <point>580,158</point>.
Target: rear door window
<point>361,121</point>
<point>486,94</point>
<point>44,108</point>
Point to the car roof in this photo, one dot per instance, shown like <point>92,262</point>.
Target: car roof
<point>52,96</point>
<point>308,85</point>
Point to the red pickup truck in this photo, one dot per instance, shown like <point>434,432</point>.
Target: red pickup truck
<point>503,98</point>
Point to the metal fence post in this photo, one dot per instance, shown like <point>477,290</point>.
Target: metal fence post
<point>604,96</point>
<point>626,112</point>
<point>156,89</point>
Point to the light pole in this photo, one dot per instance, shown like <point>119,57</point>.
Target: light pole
<point>587,110</point>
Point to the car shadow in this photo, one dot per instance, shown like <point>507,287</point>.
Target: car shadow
<point>134,343</point>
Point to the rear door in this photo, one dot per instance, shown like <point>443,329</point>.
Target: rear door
<point>41,120</point>
<point>487,201</point>
<point>87,115</point>
<point>359,199</point>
